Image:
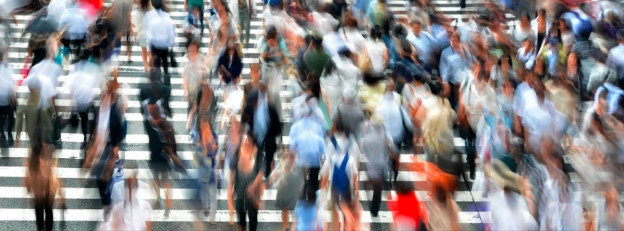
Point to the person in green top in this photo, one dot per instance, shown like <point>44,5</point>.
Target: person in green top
<point>192,4</point>
<point>315,57</point>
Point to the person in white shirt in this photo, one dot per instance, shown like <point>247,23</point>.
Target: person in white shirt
<point>615,60</point>
<point>346,68</point>
<point>527,53</point>
<point>133,213</point>
<point>7,97</point>
<point>324,21</point>
<point>377,52</point>
<point>73,20</point>
<point>160,36</point>
<point>47,71</point>
<point>352,35</point>
<point>424,43</point>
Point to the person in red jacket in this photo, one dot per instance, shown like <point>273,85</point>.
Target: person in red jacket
<point>408,210</point>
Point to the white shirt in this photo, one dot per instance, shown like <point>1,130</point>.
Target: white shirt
<point>74,20</point>
<point>615,60</point>
<point>47,73</point>
<point>56,9</point>
<point>376,51</point>
<point>349,72</point>
<point>332,42</point>
<point>527,58</point>
<point>510,212</point>
<point>354,39</point>
<point>84,84</point>
<point>7,85</point>
<point>324,22</point>
<point>119,192</point>
<point>394,117</point>
<point>160,29</point>
<point>132,215</point>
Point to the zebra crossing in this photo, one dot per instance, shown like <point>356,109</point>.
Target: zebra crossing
<point>84,207</point>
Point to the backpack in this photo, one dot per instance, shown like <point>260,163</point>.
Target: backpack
<point>340,178</point>
<point>586,27</point>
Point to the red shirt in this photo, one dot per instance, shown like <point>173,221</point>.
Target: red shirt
<point>407,205</point>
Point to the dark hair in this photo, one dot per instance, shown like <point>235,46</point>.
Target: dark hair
<point>144,4</point>
<point>330,66</point>
<point>434,86</point>
<point>345,52</point>
<point>195,42</point>
<point>317,41</point>
<point>525,15</point>
<point>404,187</point>
<point>157,4</point>
<point>541,12</point>
<point>308,39</point>
<point>271,33</point>
<point>376,33</point>
<point>351,21</point>
<point>620,35</point>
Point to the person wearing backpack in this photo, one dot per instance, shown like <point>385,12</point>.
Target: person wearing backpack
<point>340,173</point>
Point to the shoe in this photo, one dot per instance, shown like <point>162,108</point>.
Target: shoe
<point>374,214</point>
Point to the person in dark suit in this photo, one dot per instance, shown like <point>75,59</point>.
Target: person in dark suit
<point>264,121</point>
<point>230,65</point>
<point>155,91</point>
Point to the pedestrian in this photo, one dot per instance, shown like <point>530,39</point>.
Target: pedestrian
<point>255,83</point>
<point>191,26</point>
<point>245,13</point>
<point>8,101</point>
<point>33,118</point>
<point>230,66</point>
<point>340,170</point>
<point>266,127</point>
<point>289,181</point>
<point>377,147</point>
<point>134,213</point>
<point>246,187</point>
<point>206,143</point>
<point>122,23</point>
<point>193,73</point>
<point>192,6</point>
<point>42,182</point>
<point>349,113</point>
<point>141,31</point>
<point>306,213</point>
<point>275,59</point>
<point>76,26</point>
<point>160,36</point>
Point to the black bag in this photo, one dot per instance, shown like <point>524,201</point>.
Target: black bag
<point>58,126</point>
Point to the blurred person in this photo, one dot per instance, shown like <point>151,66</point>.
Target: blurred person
<point>506,100</point>
<point>300,106</point>
<point>275,58</point>
<point>315,57</point>
<point>246,12</point>
<point>615,60</point>
<point>266,127</point>
<point>333,41</point>
<point>204,109</point>
<point>377,146</point>
<point>323,20</point>
<point>502,71</point>
<point>120,190</point>
<point>373,93</point>
<point>37,48</point>
<point>567,37</point>
<point>42,182</point>
<point>206,143</point>
<point>332,86</point>
<point>523,31</point>
<point>541,26</point>
<point>83,82</point>
<point>408,208</point>
<point>377,12</point>
<point>553,54</point>
<point>104,151</point>
<point>194,72</point>
<point>245,186</point>
<point>133,213</point>
<point>160,36</point>
<point>377,53</point>
<point>539,119</point>
<point>141,31</point>
<point>155,93</point>
<point>122,23</point>
<point>290,184</point>
<point>308,145</point>
<point>230,65</point>
<point>193,6</point>
<point>437,118</point>
<point>255,83</point>
<point>527,54</point>
<point>423,42</point>
<point>476,95</point>
<point>562,93</point>
<point>8,100</point>
<point>352,35</point>
<point>442,210</point>
<point>191,26</point>
<point>47,72</point>
<point>408,66</point>
<point>167,152</point>
<point>345,67</point>
<point>33,118</point>
<point>340,170</point>
<point>76,25</point>
<point>454,60</point>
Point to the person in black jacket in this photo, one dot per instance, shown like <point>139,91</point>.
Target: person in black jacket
<point>258,109</point>
<point>155,91</point>
<point>230,65</point>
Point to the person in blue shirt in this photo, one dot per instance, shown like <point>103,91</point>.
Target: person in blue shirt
<point>308,146</point>
<point>206,143</point>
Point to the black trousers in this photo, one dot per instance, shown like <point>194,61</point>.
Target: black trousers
<point>376,203</point>
<point>43,214</point>
<point>161,59</point>
<point>470,137</point>
<point>7,120</point>
<point>75,42</point>
<point>312,182</point>
<point>245,208</point>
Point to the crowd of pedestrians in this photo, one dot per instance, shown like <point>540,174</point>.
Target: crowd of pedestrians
<point>519,103</point>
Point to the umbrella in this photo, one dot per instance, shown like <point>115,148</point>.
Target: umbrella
<point>41,25</point>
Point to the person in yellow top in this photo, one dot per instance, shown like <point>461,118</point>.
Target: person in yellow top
<point>372,94</point>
